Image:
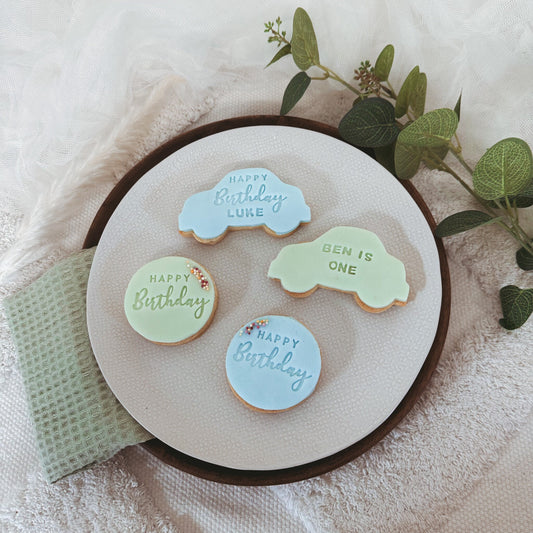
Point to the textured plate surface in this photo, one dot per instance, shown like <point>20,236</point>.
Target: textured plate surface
<point>180,394</point>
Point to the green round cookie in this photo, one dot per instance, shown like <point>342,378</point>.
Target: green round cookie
<point>171,300</point>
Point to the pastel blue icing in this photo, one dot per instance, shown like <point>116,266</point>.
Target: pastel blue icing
<point>276,366</point>
<point>248,197</point>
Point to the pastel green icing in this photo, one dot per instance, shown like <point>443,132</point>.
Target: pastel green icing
<point>165,303</point>
<point>347,259</point>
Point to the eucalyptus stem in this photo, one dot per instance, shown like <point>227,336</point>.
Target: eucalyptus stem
<point>459,147</point>
<point>281,37</point>
<point>512,214</point>
<point>482,201</point>
<point>528,242</point>
<point>388,91</point>
<point>522,237</point>
<point>375,123</point>
<point>456,151</point>
<point>514,235</point>
<point>392,92</point>
<point>517,231</point>
<point>515,210</point>
<point>336,77</point>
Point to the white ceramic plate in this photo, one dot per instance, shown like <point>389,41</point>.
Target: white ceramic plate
<point>180,393</point>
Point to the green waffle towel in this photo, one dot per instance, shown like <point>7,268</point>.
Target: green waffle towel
<point>77,419</point>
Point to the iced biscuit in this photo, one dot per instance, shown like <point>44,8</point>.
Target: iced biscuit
<point>273,363</point>
<point>171,300</point>
<point>345,259</point>
<point>244,199</point>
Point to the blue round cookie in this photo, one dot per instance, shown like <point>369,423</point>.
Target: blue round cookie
<point>273,363</point>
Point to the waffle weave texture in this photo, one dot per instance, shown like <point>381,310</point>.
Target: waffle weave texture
<point>77,419</point>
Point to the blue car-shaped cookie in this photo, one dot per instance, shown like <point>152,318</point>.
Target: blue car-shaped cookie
<point>244,199</point>
<point>346,259</point>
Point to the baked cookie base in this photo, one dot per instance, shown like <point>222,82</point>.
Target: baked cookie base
<point>361,304</point>
<point>239,228</point>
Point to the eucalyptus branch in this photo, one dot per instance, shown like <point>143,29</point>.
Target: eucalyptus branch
<point>515,210</point>
<point>510,211</point>
<point>410,116</point>
<point>391,90</point>
<point>510,231</point>
<point>513,216</point>
<point>388,92</point>
<point>336,77</point>
<point>446,168</point>
<point>403,135</point>
<point>457,152</point>
<point>458,148</point>
<point>517,231</point>
<point>277,36</point>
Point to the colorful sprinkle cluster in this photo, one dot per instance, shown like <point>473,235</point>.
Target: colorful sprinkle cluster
<point>257,324</point>
<point>199,275</point>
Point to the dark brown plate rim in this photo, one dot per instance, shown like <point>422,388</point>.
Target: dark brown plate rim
<point>233,476</point>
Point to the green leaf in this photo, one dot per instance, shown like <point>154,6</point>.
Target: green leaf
<point>528,189</point>
<point>439,152</point>
<point>527,192</point>
<point>383,64</point>
<point>294,91</point>
<point>417,97</point>
<point>282,52</point>
<point>524,259</point>
<point>525,198</point>
<point>385,157</point>
<point>517,306</point>
<point>406,160</point>
<point>303,43</point>
<point>504,170</point>
<point>369,123</point>
<point>457,107</point>
<point>520,201</point>
<point>463,221</point>
<point>435,128</point>
<point>402,101</point>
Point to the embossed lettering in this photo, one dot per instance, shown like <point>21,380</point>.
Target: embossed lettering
<point>342,267</point>
<point>162,300</point>
<point>223,196</point>
<point>263,360</point>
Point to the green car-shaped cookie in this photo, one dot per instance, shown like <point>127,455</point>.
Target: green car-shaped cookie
<point>346,259</point>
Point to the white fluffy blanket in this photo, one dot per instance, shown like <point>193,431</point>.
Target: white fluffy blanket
<point>90,87</point>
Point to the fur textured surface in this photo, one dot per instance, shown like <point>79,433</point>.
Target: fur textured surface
<point>91,87</point>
